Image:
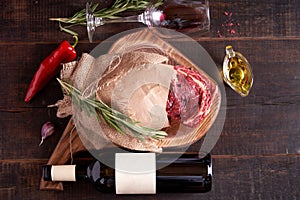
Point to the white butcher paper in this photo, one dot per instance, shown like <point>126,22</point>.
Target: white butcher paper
<point>142,94</point>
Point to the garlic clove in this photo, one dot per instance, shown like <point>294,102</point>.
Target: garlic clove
<point>47,130</point>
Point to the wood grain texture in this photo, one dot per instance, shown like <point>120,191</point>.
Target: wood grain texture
<point>256,177</point>
<point>28,20</point>
<point>257,155</point>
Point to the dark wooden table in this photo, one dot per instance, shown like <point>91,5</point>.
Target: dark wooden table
<point>258,153</point>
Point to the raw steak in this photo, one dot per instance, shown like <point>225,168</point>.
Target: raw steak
<point>190,97</point>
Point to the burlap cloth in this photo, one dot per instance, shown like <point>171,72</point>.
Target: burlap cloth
<point>87,76</point>
<point>91,75</point>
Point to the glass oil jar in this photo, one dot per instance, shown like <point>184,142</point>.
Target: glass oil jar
<point>237,72</point>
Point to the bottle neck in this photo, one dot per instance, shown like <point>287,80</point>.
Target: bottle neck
<point>229,51</point>
<point>62,173</point>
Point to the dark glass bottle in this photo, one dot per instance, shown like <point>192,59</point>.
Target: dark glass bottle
<point>186,174</point>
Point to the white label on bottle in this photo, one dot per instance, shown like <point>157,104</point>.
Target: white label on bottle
<point>63,173</point>
<point>135,173</point>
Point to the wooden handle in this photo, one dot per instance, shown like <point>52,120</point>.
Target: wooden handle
<point>62,153</point>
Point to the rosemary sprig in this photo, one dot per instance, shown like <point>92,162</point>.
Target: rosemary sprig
<point>119,6</point>
<point>112,117</point>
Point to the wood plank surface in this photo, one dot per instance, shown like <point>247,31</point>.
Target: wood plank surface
<point>27,21</point>
<point>258,153</point>
<point>235,177</point>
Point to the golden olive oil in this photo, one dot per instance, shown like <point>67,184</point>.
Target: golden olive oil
<point>237,72</point>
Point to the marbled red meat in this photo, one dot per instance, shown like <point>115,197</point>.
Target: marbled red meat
<point>190,96</point>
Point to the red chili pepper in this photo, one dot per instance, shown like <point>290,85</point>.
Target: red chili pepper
<point>50,66</point>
